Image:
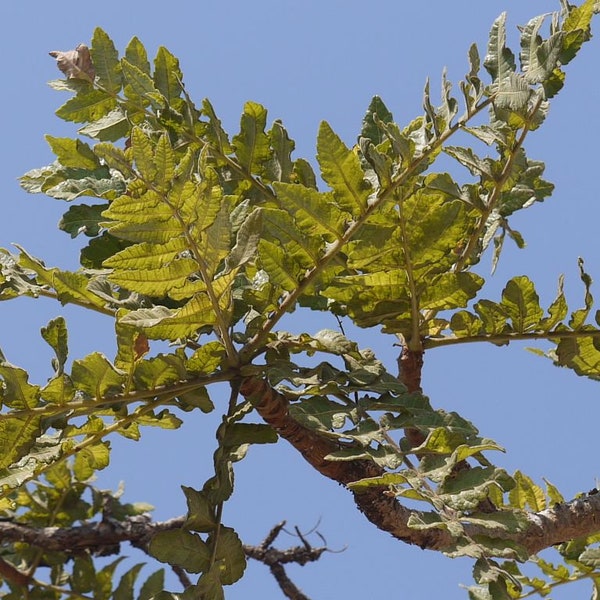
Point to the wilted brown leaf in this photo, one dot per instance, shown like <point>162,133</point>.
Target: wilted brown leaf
<point>75,64</point>
<point>140,346</point>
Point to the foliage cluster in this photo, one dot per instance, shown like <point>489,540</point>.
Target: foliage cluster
<point>207,241</point>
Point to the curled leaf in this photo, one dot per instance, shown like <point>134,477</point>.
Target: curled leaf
<point>75,64</point>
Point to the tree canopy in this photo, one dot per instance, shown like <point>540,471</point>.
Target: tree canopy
<point>201,243</point>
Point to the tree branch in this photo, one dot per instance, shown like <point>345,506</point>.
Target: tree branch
<point>103,538</point>
<point>580,517</point>
<point>275,559</point>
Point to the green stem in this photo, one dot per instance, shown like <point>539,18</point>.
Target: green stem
<point>84,407</point>
<point>505,338</point>
<point>87,305</point>
<point>93,439</point>
<point>474,240</point>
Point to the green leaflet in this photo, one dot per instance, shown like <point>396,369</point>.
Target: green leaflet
<point>96,376</point>
<point>156,282</point>
<point>281,166</point>
<point>139,87</point>
<point>582,355</point>
<point>229,555</point>
<point>466,490</point>
<point>90,459</point>
<point>136,55</point>
<point>18,432</point>
<point>281,269</point>
<point>146,255</point>
<point>87,107</point>
<point>106,62</point>
<point>168,77</point>
<point>82,218</point>
<point>246,241</point>
<point>314,212</point>
<point>73,153</point>
<point>159,371</point>
<point>111,127</point>
<point>287,258</point>
<point>55,334</point>
<point>522,304</point>
<point>165,162</point>
<point>42,451</point>
<point>449,290</point>
<point>511,90</point>
<point>215,132</point>
<point>26,275</point>
<point>341,169</point>
<point>526,494</point>
<point>252,143</point>
<point>579,317</point>
<point>538,57</point>
<point>125,588</point>
<point>144,156</point>
<point>377,112</point>
<point>167,324</point>
<point>66,183</point>
<point>58,390</point>
<point>181,548</point>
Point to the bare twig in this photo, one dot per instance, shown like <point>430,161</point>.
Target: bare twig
<point>275,559</point>
<point>138,530</point>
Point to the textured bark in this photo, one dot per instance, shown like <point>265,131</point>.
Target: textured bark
<point>382,510</point>
<point>97,537</point>
<point>410,367</point>
<point>547,528</point>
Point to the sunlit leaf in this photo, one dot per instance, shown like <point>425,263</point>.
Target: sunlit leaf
<point>341,169</point>
<point>106,62</point>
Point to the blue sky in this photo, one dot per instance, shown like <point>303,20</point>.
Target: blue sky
<point>309,61</point>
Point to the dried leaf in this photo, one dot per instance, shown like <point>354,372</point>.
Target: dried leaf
<point>75,64</point>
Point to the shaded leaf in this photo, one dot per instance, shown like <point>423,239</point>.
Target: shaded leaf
<point>181,548</point>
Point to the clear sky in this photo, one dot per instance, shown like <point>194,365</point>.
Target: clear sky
<point>309,61</point>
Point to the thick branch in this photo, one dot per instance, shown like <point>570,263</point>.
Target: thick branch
<point>382,510</point>
<point>95,537</point>
<point>578,518</point>
<point>546,528</point>
<point>104,537</point>
<point>410,366</point>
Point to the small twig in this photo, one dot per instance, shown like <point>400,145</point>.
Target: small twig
<point>275,559</point>
<point>272,535</point>
<point>185,581</point>
<point>302,538</point>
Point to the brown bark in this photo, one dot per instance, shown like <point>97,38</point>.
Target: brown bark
<point>97,537</point>
<point>382,510</point>
<point>410,366</point>
<point>546,528</point>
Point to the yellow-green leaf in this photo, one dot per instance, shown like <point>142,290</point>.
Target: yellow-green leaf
<point>341,169</point>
